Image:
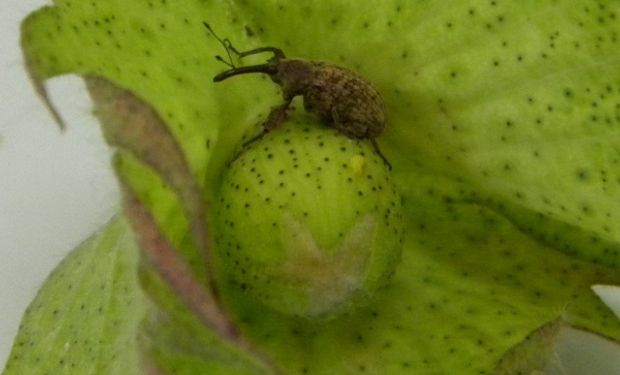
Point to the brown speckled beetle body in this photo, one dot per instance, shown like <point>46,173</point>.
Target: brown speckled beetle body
<point>338,96</point>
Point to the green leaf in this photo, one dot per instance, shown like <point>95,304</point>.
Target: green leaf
<point>520,102</point>
<point>501,132</point>
<point>86,317</point>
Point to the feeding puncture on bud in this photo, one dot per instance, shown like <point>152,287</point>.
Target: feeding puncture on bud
<point>338,96</point>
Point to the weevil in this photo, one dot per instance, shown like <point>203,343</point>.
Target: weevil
<point>338,96</point>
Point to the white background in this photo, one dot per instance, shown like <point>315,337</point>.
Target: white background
<point>57,188</point>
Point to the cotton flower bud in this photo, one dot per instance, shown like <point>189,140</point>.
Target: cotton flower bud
<point>308,221</point>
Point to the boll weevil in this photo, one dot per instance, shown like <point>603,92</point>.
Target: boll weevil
<point>338,96</point>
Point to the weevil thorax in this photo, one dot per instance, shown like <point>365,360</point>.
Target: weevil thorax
<point>293,75</point>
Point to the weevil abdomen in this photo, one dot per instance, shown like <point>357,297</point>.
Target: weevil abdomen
<point>346,101</point>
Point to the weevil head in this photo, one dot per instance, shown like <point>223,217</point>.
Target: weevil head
<point>294,75</point>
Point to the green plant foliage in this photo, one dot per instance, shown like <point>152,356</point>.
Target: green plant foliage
<point>502,124</point>
<point>84,320</point>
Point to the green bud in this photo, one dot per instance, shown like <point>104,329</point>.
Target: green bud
<point>308,221</point>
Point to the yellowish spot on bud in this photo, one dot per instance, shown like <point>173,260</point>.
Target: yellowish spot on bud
<point>358,164</point>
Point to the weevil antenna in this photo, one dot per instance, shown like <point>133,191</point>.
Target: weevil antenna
<point>221,59</point>
<point>225,43</point>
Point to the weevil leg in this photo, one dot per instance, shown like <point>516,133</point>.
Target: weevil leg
<point>376,147</point>
<point>338,125</point>
<point>336,117</point>
<point>255,138</point>
<point>245,145</point>
<point>276,117</point>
